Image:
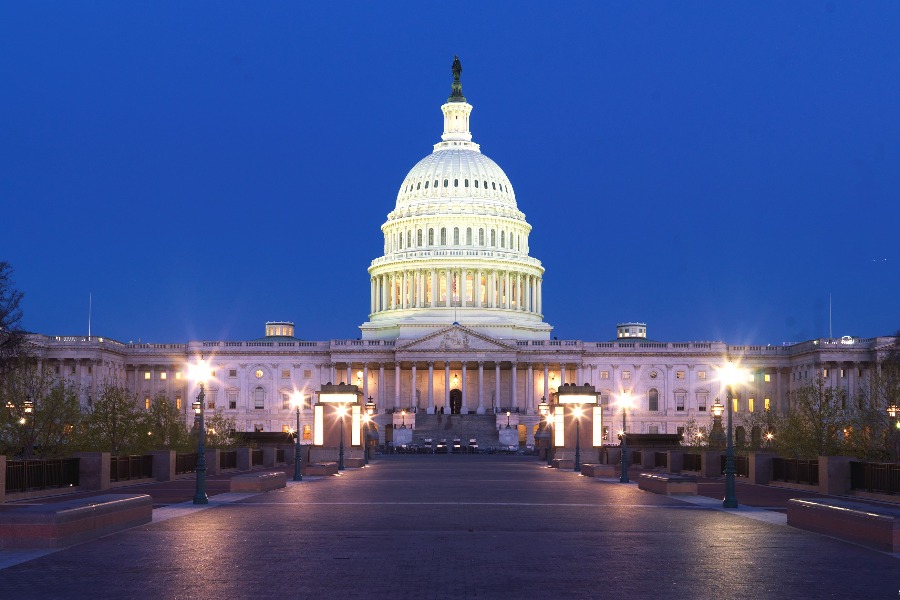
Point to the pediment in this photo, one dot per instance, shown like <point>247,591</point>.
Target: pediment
<point>455,338</point>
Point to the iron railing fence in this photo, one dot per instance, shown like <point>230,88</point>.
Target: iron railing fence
<point>691,462</point>
<point>875,477</point>
<point>228,459</point>
<point>793,470</point>
<point>185,463</point>
<point>661,460</point>
<point>123,468</point>
<point>741,466</point>
<point>256,458</point>
<point>30,475</point>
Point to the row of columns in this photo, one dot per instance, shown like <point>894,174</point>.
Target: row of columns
<point>490,288</point>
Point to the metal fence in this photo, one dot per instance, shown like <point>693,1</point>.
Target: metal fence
<point>692,462</point>
<point>636,457</point>
<point>793,470</point>
<point>661,460</point>
<point>741,466</point>
<point>28,475</point>
<point>228,459</point>
<point>185,463</point>
<point>123,468</point>
<point>279,455</point>
<point>875,477</point>
<point>256,458</point>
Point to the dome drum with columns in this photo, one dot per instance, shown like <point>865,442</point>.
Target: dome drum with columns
<point>456,246</point>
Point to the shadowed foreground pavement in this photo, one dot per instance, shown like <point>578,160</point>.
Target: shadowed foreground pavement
<point>456,527</point>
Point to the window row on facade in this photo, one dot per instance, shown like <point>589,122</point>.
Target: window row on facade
<point>443,236</point>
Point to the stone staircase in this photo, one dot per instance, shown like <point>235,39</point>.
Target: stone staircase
<point>483,428</point>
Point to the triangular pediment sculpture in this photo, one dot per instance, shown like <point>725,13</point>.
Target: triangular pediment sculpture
<point>454,339</point>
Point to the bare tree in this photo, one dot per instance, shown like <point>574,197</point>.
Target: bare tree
<point>12,338</point>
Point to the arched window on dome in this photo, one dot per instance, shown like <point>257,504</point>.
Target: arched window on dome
<point>468,236</point>
<point>431,237</point>
<point>419,185</point>
<point>485,185</point>
<point>503,239</point>
<point>493,239</point>
<point>467,183</point>
<point>481,237</point>
<point>419,238</point>
<point>456,236</point>
<point>426,185</point>
<point>408,239</point>
<point>443,236</point>
<point>435,183</point>
<point>446,182</point>
<point>456,183</point>
<point>400,245</point>
<point>493,185</point>
<point>476,183</point>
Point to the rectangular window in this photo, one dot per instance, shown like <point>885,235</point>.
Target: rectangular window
<point>735,405</point>
<point>211,405</point>
<point>626,374</point>
<point>604,399</point>
<point>177,402</point>
<point>146,375</point>
<point>285,373</point>
<point>750,403</point>
<point>232,400</point>
<point>286,429</point>
<point>750,377</point>
<point>73,369</point>
<point>679,400</point>
<point>653,401</point>
<point>605,432</point>
<point>825,373</point>
<point>843,373</point>
<point>307,432</point>
<point>91,370</point>
<point>307,373</point>
<point>178,375</point>
<point>654,429</point>
<point>258,428</point>
<point>604,374</point>
<point>147,403</point>
<point>701,402</point>
<point>285,401</point>
<point>767,378</point>
<point>679,374</point>
<point>162,376</point>
<point>701,374</point>
<point>767,405</point>
<point>680,431</point>
<point>232,372</point>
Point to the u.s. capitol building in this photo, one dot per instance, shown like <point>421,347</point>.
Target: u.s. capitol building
<point>456,324</point>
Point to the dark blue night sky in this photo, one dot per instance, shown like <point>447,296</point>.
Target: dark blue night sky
<point>716,170</point>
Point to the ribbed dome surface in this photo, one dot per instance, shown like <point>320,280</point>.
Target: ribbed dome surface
<point>456,173</point>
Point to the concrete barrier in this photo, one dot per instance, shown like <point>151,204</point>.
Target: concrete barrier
<point>258,482</point>
<point>668,485</point>
<point>61,524</point>
<point>562,463</point>
<point>870,525</point>
<point>354,462</point>
<point>322,468</point>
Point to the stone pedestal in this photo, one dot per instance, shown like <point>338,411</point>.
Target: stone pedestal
<point>163,465</point>
<point>402,436</point>
<point>834,475</point>
<point>269,456</point>
<point>675,461</point>
<point>509,437</point>
<point>93,470</point>
<point>213,461</point>
<point>244,459</point>
<point>760,467</point>
<point>711,463</point>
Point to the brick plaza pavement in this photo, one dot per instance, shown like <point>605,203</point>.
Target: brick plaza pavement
<point>457,527</point>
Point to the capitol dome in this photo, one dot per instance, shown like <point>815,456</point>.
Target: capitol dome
<point>456,245</point>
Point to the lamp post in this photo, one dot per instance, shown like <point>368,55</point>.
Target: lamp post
<point>728,377</point>
<point>200,373</point>
<point>341,410</point>
<point>577,396</point>
<point>403,417</point>
<point>576,411</point>
<point>298,476</point>
<point>624,400</point>
<point>507,419</point>
<point>370,412</point>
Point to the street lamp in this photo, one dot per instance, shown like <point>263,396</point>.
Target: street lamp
<point>403,417</point>
<point>342,410</point>
<point>507,419</point>
<point>577,396</point>
<point>728,376</point>
<point>370,413</point>
<point>298,476</point>
<point>625,402</point>
<point>199,372</point>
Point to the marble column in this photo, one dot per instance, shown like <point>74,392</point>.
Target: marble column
<point>464,410</point>
<point>447,387</point>
<point>514,399</point>
<point>430,387</point>
<point>480,409</point>
<point>546,397</point>
<point>497,403</point>
<point>414,397</point>
<point>381,386</point>
<point>397,386</point>
<point>529,390</point>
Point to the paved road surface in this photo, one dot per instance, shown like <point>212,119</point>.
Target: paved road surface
<point>457,527</point>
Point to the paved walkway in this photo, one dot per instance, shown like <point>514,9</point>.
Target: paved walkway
<point>456,527</point>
